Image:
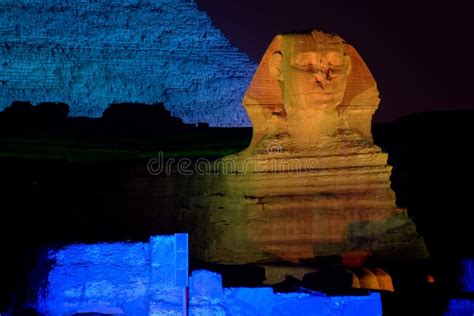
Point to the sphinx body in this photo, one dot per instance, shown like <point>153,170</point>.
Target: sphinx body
<point>312,182</point>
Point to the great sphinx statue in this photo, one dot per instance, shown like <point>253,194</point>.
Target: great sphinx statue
<point>310,88</point>
<point>312,182</point>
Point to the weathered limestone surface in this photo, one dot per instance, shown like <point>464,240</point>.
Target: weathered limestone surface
<point>139,279</point>
<point>91,53</point>
<point>122,278</point>
<point>311,183</point>
<point>209,298</point>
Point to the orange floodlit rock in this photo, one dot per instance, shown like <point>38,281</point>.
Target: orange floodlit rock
<point>355,258</point>
<point>312,182</point>
<point>384,280</point>
<point>430,278</point>
<point>368,280</point>
<point>309,89</point>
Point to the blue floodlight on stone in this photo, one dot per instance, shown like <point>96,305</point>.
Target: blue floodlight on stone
<point>463,306</point>
<point>467,275</point>
<point>113,278</point>
<point>91,53</point>
<point>207,297</point>
<point>460,307</point>
<point>146,279</point>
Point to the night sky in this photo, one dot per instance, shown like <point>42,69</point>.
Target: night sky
<point>420,54</point>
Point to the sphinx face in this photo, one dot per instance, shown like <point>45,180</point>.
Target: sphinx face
<point>310,88</point>
<point>314,71</point>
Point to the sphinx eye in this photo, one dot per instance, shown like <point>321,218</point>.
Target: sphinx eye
<point>336,61</point>
<point>303,61</point>
<point>305,65</point>
<point>337,72</point>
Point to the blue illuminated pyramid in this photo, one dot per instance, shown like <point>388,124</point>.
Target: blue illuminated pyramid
<point>91,53</point>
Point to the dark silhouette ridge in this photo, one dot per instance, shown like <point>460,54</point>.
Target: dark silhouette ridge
<point>120,119</point>
<point>23,116</point>
<point>138,119</point>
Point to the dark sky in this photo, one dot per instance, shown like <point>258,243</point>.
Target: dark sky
<point>421,54</point>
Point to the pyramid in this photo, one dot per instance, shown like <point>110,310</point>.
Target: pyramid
<point>91,53</point>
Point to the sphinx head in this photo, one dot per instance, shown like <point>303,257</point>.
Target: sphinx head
<point>312,70</point>
<point>308,87</point>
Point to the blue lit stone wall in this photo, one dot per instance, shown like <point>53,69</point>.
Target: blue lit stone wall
<point>464,306</point>
<point>112,278</point>
<point>207,297</point>
<point>141,279</point>
<point>90,53</point>
<point>467,275</point>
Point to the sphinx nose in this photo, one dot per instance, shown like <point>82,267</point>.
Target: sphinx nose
<point>321,79</point>
<point>320,76</point>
